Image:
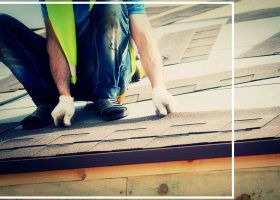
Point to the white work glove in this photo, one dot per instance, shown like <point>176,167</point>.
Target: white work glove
<point>64,111</point>
<point>163,101</point>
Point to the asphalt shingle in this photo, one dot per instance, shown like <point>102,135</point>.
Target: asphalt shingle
<point>151,132</point>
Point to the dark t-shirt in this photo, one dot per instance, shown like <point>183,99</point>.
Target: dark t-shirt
<point>81,12</point>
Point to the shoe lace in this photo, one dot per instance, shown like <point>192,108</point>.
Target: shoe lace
<point>114,102</point>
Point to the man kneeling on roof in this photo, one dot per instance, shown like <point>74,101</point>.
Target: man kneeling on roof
<point>88,55</point>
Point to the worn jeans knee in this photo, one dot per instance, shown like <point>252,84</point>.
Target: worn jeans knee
<point>110,37</point>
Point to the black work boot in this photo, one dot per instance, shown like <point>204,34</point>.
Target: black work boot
<point>110,109</point>
<point>39,118</point>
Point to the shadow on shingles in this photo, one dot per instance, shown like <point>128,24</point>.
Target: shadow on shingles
<point>82,119</point>
<point>8,126</point>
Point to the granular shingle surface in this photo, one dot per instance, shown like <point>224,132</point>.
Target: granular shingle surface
<point>177,129</point>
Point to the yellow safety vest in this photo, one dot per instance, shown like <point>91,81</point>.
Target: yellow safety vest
<point>62,19</point>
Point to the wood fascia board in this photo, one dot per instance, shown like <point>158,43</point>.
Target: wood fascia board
<point>262,183</point>
<point>137,157</point>
<point>201,165</point>
<point>100,187</point>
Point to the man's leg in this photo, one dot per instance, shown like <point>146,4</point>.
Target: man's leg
<point>104,62</point>
<point>24,53</point>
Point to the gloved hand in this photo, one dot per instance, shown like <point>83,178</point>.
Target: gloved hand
<point>64,111</point>
<point>163,101</point>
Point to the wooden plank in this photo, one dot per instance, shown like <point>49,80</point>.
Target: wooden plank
<point>181,184</point>
<point>103,187</point>
<point>260,183</point>
<point>257,184</point>
<point>202,165</point>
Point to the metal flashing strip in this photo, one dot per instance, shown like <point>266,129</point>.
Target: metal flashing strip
<point>192,152</point>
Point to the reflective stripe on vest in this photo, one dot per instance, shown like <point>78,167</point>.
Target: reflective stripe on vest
<point>62,20</point>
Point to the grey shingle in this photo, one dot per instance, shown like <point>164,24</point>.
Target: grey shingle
<point>150,132</point>
<point>20,142</point>
<point>118,145</point>
<point>181,14</point>
<point>256,14</point>
<point>9,83</point>
<point>202,127</point>
<point>173,45</point>
<point>7,126</point>
<point>221,79</point>
<point>151,11</point>
<point>75,148</point>
<point>181,140</point>
<point>20,152</point>
<point>268,47</point>
<point>249,123</point>
<point>83,135</point>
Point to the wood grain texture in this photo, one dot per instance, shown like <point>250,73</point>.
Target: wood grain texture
<point>202,165</point>
<point>259,183</point>
<point>181,184</point>
<point>104,187</point>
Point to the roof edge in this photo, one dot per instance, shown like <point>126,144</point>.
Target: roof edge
<point>193,152</point>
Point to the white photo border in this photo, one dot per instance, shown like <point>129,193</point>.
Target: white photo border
<point>232,105</point>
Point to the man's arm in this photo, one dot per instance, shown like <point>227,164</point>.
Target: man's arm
<point>147,47</point>
<point>152,62</point>
<point>58,64</point>
<point>64,111</point>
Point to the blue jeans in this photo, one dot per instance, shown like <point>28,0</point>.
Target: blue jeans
<point>103,68</point>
